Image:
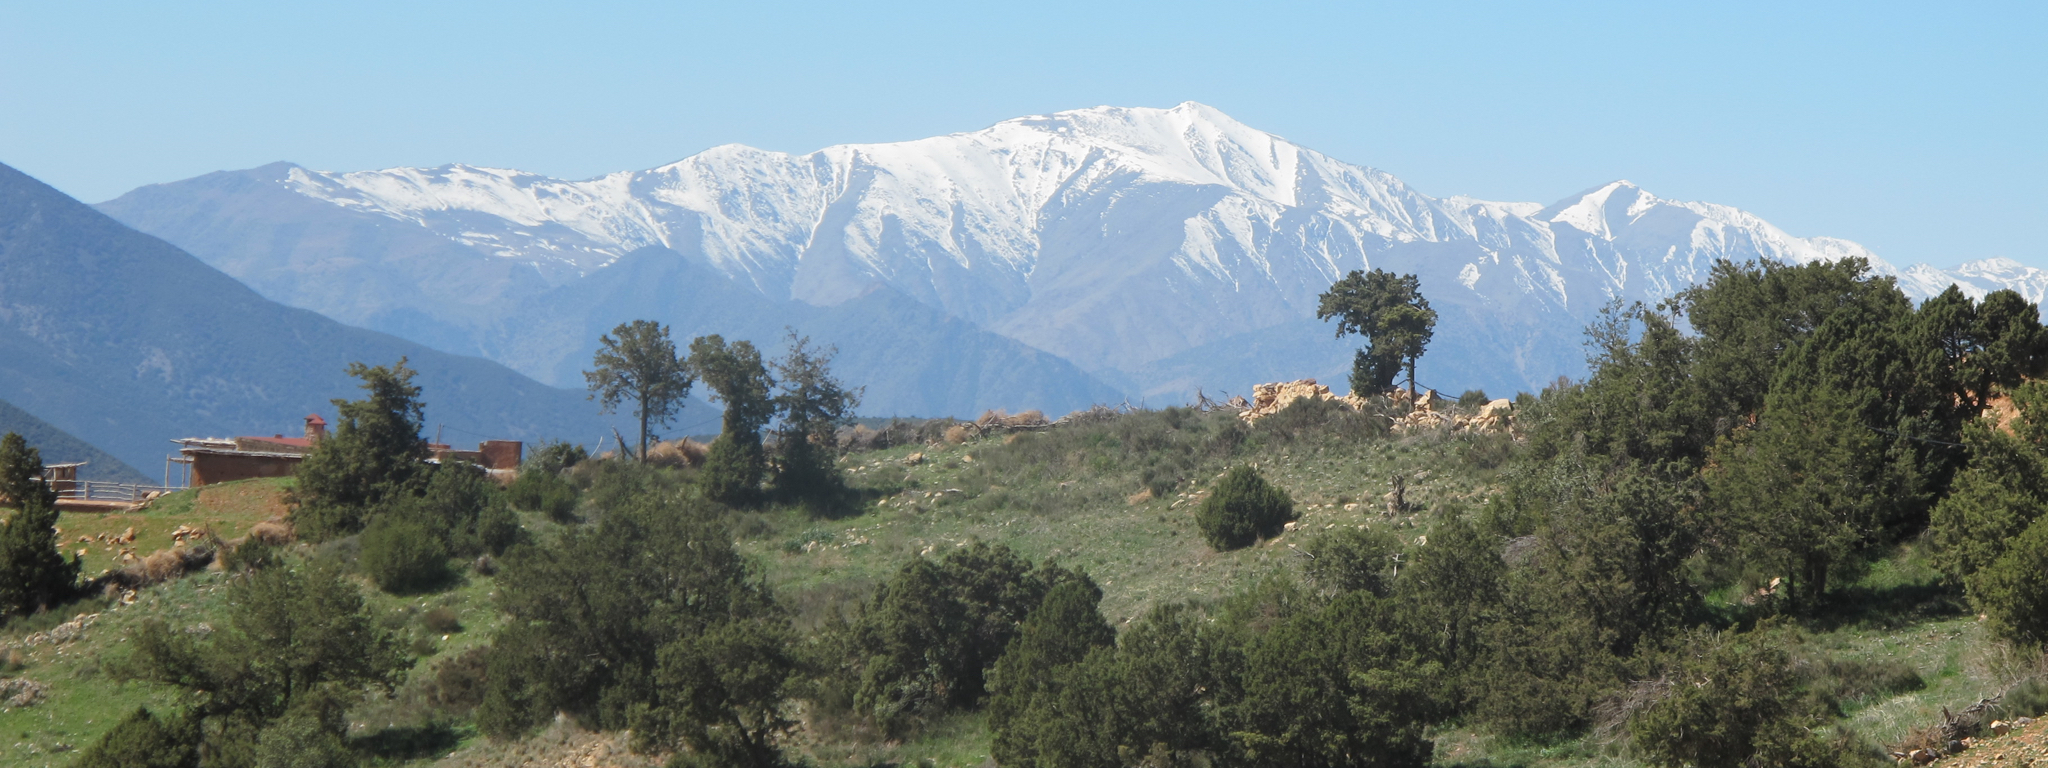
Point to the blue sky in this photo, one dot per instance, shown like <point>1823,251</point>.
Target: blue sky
<point>1915,129</point>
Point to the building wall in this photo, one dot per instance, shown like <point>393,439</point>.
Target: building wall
<point>501,454</point>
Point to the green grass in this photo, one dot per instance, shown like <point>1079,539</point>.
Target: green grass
<point>226,509</point>
<point>1067,496</point>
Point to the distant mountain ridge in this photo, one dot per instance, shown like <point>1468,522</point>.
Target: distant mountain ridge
<point>1149,247</point>
<point>127,342</point>
<point>58,447</point>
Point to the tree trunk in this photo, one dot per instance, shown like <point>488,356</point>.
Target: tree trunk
<point>1411,379</point>
<point>643,427</point>
<point>1815,581</point>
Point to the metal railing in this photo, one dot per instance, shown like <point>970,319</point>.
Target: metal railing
<point>101,490</point>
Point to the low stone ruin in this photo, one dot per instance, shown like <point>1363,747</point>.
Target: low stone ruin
<point>1419,413</point>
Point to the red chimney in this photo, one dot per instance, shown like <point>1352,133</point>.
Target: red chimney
<point>316,428</point>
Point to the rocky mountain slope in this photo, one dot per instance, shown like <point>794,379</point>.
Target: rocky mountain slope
<point>1159,250</point>
<point>127,342</point>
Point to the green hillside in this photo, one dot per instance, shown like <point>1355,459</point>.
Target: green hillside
<point>1807,532</point>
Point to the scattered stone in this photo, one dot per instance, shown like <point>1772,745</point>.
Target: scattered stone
<point>20,692</point>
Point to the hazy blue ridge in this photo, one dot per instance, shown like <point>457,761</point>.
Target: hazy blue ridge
<point>59,447</point>
<point>364,269</point>
<point>128,342</point>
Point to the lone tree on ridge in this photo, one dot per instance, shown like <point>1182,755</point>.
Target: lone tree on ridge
<point>1389,311</point>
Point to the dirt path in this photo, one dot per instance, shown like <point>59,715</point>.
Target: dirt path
<point>2022,748</point>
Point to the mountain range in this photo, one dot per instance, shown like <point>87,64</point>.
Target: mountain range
<point>127,342</point>
<point>1049,261</point>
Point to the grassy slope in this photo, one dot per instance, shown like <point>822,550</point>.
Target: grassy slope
<point>1066,495</point>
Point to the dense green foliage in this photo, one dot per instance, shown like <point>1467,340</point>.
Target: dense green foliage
<point>737,464</point>
<point>143,740</point>
<point>1731,698</point>
<point>272,678</point>
<point>1243,508</point>
<point>648,620</point>
<point>21,473</point>
<point>640,365</point>
<point>402,557</point>
<point>924,643</point>
<point>374,452</point>
<point>1388,310</point>
<point>542,486</point>
<point>1989,528</point>
<point>34,573</point>
<point>813,405</point>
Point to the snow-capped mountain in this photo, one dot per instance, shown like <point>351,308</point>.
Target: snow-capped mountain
<point>1142,244</point>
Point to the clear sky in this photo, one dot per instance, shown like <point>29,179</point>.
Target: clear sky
<point>1916,129</point>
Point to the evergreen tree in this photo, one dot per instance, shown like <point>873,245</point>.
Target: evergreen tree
<point>648,620</point>
<point>34,573</point>
<point>640,364</point>
<point>296,643</point>
<point>924,643</point>
<point>813,405</point>
<point>375,452</point>
<point>21,473</point>
<point>1987,532</point>
<point>1391,313</point>
<point>1731,699</point>
<point>719,693</point>
<point>1062,631</point>
<point>737,463</point>
<point>1832,465</point>
<point>1347,685</point>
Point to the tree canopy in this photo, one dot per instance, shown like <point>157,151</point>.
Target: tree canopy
<point>1390,312</point>
<point>375,452</point>
<point>638,362</point>
<point>739,380</point>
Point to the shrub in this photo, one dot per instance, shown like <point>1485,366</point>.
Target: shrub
<point>553,459</point>
<point>1349,559</point>
<point>2013,590</point>
<point>1348,685</point>
<point>142,741</point>
<point>402,557</point>
<point>459,682</point>
<point>734,469</point>
<point>1242,509</point>
<point>926,640</point>
<point>545,492</point>
<point>1729,699</point>
<point>497,529</point>
<point>1061,631</point>
<point>1473,398</point>
<point>441,620</point>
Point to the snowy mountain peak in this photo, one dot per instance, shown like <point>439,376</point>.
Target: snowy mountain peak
<point>1598,210</point>
<point>1116,237</point>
